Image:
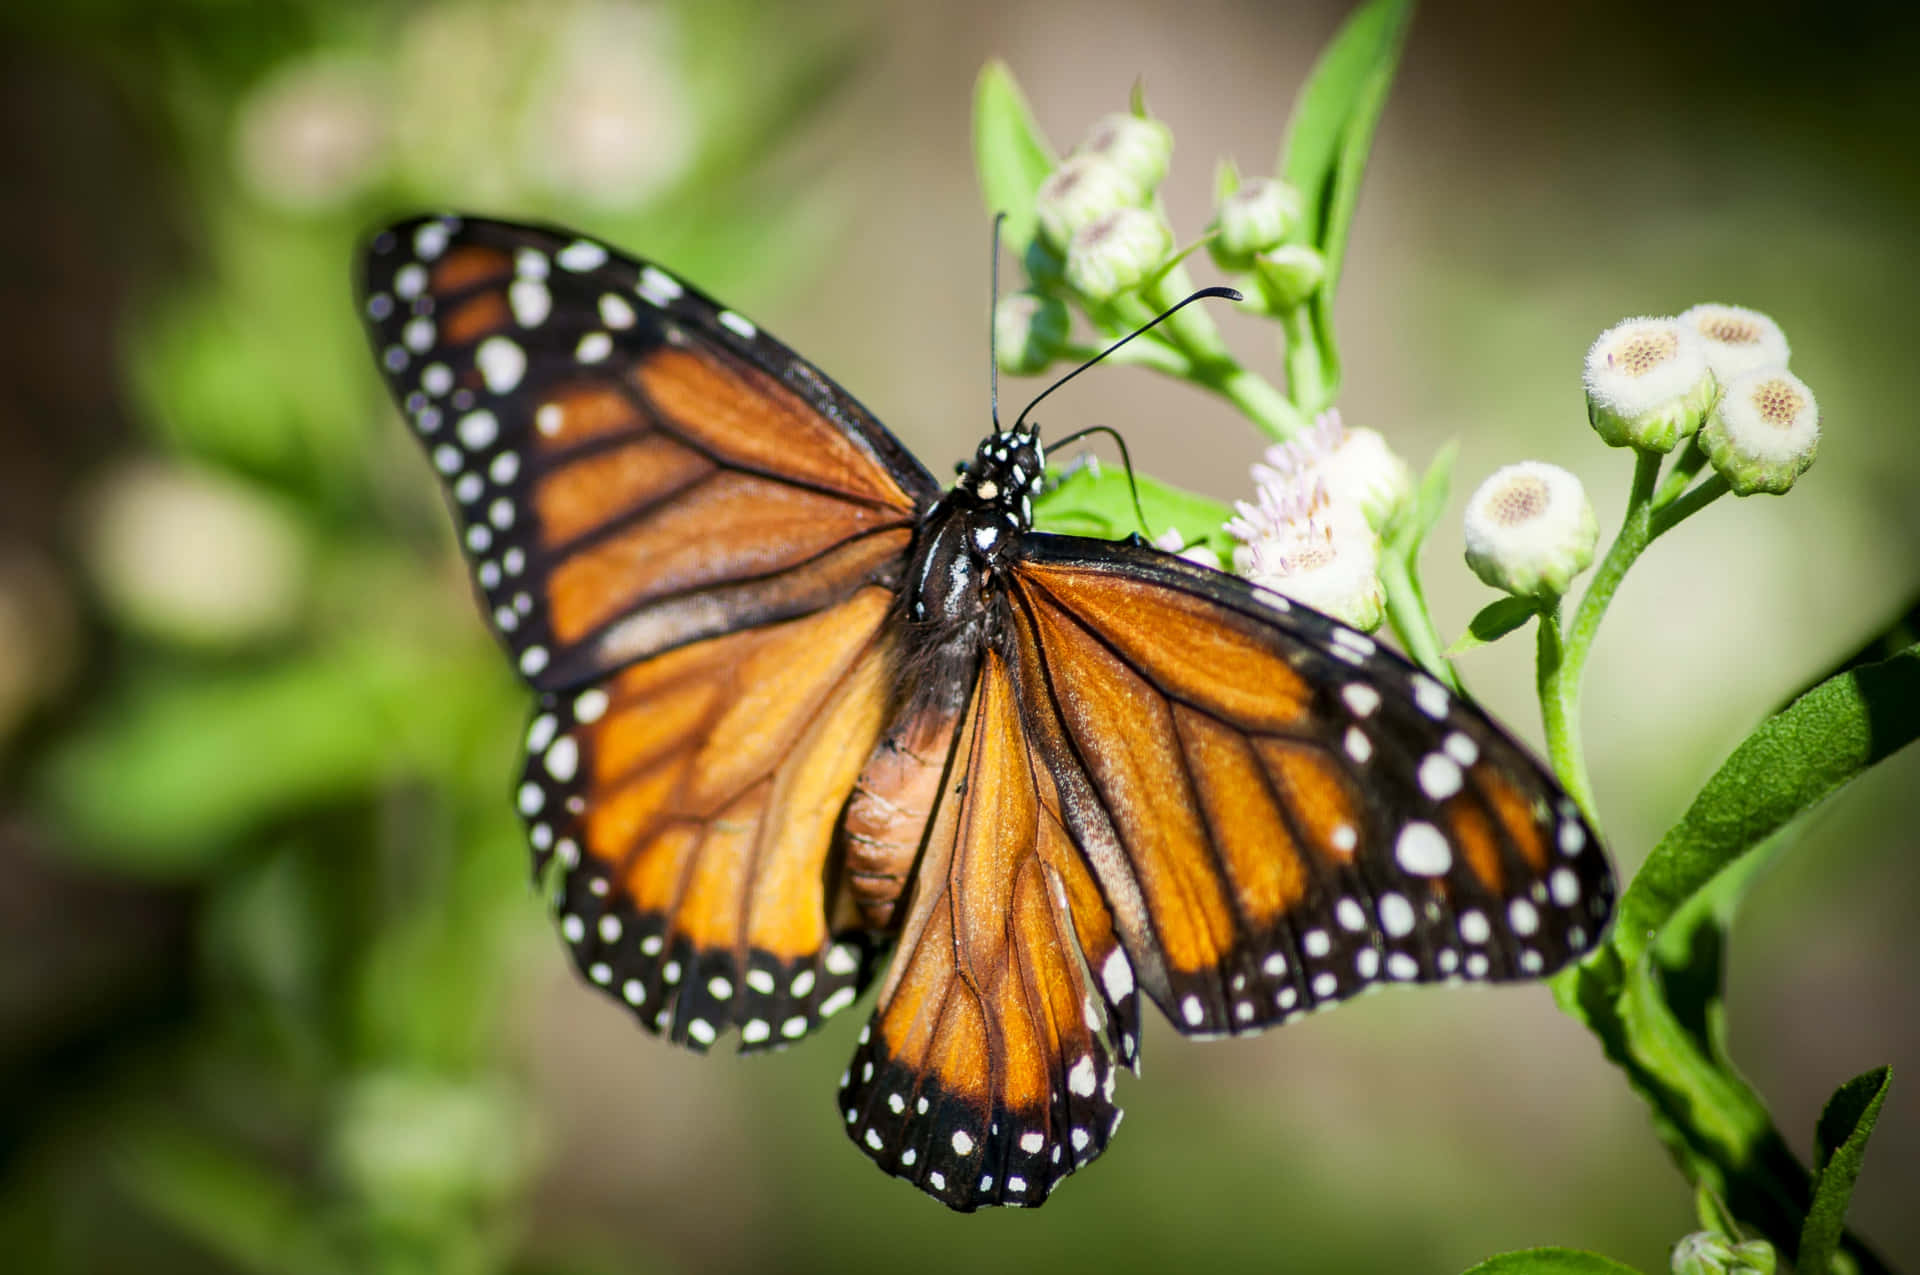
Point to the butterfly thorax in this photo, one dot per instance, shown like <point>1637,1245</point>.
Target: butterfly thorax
<point>987,509</point>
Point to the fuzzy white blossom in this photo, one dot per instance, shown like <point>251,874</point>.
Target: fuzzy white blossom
<point>1764,431</point>
<point>1648,383</point>
<point>1297,540</point>
<point>1355,466</point>
<point>1530,530</point>
<point>1737,340</point>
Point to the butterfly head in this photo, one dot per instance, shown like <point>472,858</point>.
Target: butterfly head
<point>1004,475</point>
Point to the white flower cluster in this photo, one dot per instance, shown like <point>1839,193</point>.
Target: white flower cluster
<point>1720,370</point>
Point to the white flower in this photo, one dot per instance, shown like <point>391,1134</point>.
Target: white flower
<point>1763,432</point>
<point>1295,541</point>
<point>1530,529</point>
<point>1648,383</point>
<point>1737,340</point>
<point>1355,466</point>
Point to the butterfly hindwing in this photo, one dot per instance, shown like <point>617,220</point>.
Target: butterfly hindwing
<point>632,466</point>
<point>690,801</point>
<point>986,1073</point>
<point>1281,813</point>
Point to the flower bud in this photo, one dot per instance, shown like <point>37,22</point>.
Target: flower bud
<point>1737,340</point>
<point>1136,145</point>
<point>1253,219</point>
<point>1530,530</point>
<point>1029,331</point>
<point>1648,384</point>
<point>1080,192</point>
<point>1705,1253</point>
<point>1290,274</point>
<point>1117,253</point>
<point>1763,432</point>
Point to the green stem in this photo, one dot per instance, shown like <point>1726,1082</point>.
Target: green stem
<point>1678,511</point>
<point>1258,397</point>
<point>1306,370</point>
<point>1691,462</point>
<point>1563,658</point>
<point>1560,710</point>
<point>1212,365</point>
<point>1144,352</point>
<point>1412,623</point>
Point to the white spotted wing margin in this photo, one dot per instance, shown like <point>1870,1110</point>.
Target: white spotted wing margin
<point>1281,813</point>
<point>590,417</point>
<point>986,1073</point>
<point>683,841</point>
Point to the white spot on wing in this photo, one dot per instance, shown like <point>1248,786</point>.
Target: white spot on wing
<point>1422,850</point>
<point>581,255</point>
<point>502,363</point>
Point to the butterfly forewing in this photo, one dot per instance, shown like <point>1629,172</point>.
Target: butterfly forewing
<point>632,466</point>
<point>1281,813</point>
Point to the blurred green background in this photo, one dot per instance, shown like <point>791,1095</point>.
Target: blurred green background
<point>274,992</point>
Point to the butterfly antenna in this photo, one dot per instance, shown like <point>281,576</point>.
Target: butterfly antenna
<point>1125,459</point>
<point>993,308</point>
<point>1150,324</point>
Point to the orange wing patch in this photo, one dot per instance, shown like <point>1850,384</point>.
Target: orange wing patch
<point>692,802</point>
<point>986,1074</point>
<point>746,417</point>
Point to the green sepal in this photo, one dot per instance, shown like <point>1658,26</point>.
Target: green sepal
<point>1840,1143</point>
<point>1494,621</point>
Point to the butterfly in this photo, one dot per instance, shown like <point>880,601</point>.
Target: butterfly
<point>798,706</point>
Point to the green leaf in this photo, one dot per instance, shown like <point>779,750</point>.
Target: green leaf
<point>1495,621</point>
<point>1097,501</point>
<point>1010,151</point>
<point>1840,1143</point>
<point>1328,139</point>
<point>1400,568</point>
<point>1551,1261</point>
<point>1795,760</point>
<point>186,765</point>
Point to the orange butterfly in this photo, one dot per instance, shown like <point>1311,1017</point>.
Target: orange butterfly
<point>797,705</point>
